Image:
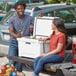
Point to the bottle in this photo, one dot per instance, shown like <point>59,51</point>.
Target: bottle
<point>2,74</point>
<point>3,69</point>
<point>8,71</point>
<point>74,49</point>
<point>8,65</point>
<point>15,71</point>
<point>13,74</point>
<point>12,67</point>
<point>20,30</point>
<point>0,68</point>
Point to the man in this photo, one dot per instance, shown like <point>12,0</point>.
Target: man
<point>19,25</point>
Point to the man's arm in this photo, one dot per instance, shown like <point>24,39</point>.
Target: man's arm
<point>11,30</point>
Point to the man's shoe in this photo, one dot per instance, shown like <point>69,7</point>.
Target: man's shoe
<point>21,74</point>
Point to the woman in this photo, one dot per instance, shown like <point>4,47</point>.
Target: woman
<point>57,47</point>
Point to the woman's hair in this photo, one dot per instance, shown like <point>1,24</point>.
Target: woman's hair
<point>23,3</point>
<point>59,23</point>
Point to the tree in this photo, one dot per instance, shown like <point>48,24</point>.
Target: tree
<point>53,1</point>
<point>74,1</point>
<point>59,1</point>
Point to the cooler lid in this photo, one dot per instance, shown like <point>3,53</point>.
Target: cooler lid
<point>42,26</point>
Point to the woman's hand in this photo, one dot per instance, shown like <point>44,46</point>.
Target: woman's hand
<point>43,55</point>
<point>41,39</point>
<point>45,39</point>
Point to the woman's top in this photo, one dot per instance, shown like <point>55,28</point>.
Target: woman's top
<point>55,39</point>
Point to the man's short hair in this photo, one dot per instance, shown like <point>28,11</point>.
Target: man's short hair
<point>23,3</point>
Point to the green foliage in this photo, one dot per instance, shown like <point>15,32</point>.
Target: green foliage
<point>5,6</point>
<point>59,1</point>
<point>74,1</point>
<point>56,1</point>
<point>53,1</point>
<point>0,7</point>
<point>63,0</point>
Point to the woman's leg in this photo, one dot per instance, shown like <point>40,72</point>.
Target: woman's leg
<point>47,59</point>
<point>36,61</point>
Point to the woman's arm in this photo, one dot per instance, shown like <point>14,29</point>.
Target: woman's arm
<point>48,38</point>
<point>59,48</point>
<point>44,39</point>
<point>61,42</point>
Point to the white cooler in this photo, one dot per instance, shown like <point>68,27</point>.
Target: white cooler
<point>33,48</point>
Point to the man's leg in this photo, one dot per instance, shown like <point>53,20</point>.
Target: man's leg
<point>13,51</point>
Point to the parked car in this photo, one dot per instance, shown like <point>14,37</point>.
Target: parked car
<point>2,15</point>
<point>1,18</point>
<point>66,12</point>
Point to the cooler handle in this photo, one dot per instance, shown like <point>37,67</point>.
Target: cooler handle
<point>27,43</point>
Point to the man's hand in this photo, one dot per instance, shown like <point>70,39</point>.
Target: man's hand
<point>19,35</point>
<point>11,30</point>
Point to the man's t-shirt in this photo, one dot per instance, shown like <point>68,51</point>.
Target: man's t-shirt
<point>23,23</point>
<point>55,39</point>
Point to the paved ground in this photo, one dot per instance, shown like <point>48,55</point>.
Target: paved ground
<point>3,50</point>
<point>4,60</point>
